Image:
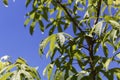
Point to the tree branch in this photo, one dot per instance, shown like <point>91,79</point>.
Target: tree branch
<point>69,15</point>
<point>98,10</point>
<point>93,71</point>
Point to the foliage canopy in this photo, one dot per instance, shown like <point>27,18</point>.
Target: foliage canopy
<point>17,71</point>
<point>87,54</point>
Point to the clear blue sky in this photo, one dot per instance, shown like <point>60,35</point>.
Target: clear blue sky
<point>15,39</point>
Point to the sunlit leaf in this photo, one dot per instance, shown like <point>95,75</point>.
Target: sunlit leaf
<point>106,64</point>
<point>118,75</point>
<point>48,71</point>
<point>53,40</point>
<point>52,46</point>
<point>109,2</point>
<point>27,21</point>
<point>81,74</point>
<point>118,55</point>
<point>117,2</point>
<point>61,38</point>
<point>34,4</point>
<point>6,76</point>
<point>98,28</point>
<point>115,24</point>
<point>113,35</point>
<point>59,13</point>
<point>44,43</point>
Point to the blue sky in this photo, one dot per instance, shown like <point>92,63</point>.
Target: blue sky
<point>15,39</point>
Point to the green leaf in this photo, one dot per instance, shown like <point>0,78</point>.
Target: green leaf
<point>69,1</point>
<point>10,67</point>
<point>103,8</point>
<point>113,45</point>
<point>110,2</point>
<point>72,77</point>
<point>90,2</point>
<point>27,2</point>
<point>74,29</point>
<point>51,11</point>
<point>86,15</point>
<point>59,13</point>
<point>115,24</point>
<point>34,73</point>
<point>61,38</point>
<point>26,74</point>
<point>52,46</point>
<point>6,76</point>
<point>48,71</point>
<point>98,28</point>
<point>118,55</point>
<point>45,13</point>
<point>32,26</point>
<point>108,74</point>
<point>105,49</point>
<point>41,25</point>
<point>1,65</point>
<point>59,75</point>
<point>27,21</point>
<point>16,75</point>
<point>5,2</point>
<point>45,42</point>
<point>105,38</point>
<point>59,28</point>
<point>52,30</point>
<point>109,9</point>
<point>117,2</point>
<point>32,15</point>
<point>106,64</point>
<point>20,61</point>
<point>75,8</point>
<point>118,75</point>
<point>113,35</point>
<point>96,47</point>
<point>52,39</point>
<point>34,4</point>
<point>81,74</point>
<point>83,2</point>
